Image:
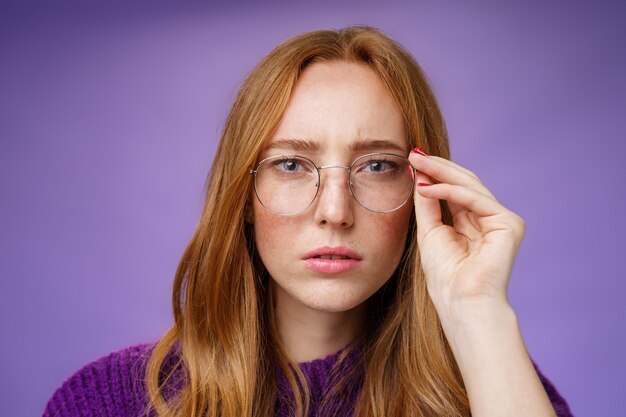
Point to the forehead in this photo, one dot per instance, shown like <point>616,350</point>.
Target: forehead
<point>340,105</point>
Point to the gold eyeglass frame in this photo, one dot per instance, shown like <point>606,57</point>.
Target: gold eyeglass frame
<point>319,180</point>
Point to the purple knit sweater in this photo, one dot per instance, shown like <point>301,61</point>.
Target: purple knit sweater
<point>113,386</point>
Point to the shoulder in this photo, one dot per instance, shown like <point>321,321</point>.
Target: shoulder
<point>110,385</point>
<point>558,402</point>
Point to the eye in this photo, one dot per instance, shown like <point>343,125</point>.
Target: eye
<point>378,166</point>
<point>291,165</point>
<point>288,165</point>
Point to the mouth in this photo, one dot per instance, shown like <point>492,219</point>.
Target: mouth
<point>332,253</point>
<point>329,261</point>
<point>333,257</point>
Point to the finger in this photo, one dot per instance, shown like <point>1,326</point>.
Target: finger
<point>456,211</point>
<point>467,198</point>
<point>427,209</point>
<point>455,165</point>
<point>446,171</point>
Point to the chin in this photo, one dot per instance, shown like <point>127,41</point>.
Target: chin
<point>330,307</point>
<point>324,295</point>
<point>333,302</point>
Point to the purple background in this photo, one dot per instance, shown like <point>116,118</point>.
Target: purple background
<point>109,118</point>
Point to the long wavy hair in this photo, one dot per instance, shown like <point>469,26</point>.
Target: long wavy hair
<point>224,336</point>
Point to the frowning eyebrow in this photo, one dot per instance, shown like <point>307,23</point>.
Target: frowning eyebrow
<point>360,144</point>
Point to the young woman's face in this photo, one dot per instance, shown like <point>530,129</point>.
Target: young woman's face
<point>333,106</point>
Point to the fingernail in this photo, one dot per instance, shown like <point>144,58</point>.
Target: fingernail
<point>419,151</point>
<point>423,184</point>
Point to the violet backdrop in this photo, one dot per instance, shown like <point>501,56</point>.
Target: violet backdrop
<point>109,117</point>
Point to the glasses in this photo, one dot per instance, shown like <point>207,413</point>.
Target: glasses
<point>288,184</point>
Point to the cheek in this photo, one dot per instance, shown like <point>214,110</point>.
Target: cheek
<point>274,235</point>
<point>392,232</point>
<point>394,227</point>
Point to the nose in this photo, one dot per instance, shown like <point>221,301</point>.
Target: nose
<point>334,205</point>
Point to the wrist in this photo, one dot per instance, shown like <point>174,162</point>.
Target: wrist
<point>475,332</point>
<point>477,315</point>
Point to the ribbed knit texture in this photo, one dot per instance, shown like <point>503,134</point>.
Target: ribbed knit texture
<point>321,374</point>
<point>113,386</point>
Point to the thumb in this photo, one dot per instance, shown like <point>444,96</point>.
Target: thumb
<point>427,209</point>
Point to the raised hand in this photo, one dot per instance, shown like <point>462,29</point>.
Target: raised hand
<point>471,261</point>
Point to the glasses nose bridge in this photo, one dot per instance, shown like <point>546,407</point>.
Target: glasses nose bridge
<point>319,170</point>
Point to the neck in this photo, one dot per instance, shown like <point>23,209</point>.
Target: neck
<point>308,334</point>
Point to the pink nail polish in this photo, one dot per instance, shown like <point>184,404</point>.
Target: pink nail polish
<point>423,184</point>
<point>419,151</point>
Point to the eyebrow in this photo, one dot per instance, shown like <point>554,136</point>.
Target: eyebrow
<point>360,144</point>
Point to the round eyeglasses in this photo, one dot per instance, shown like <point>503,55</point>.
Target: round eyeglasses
<point>288,184</point>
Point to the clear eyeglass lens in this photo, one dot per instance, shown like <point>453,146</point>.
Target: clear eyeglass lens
<point>381,182</point>
<point>286,184</point>
<point>289,184</point>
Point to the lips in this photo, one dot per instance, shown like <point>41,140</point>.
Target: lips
<point>328,260</point>
<point>332,253</point>
<point>331,257</point>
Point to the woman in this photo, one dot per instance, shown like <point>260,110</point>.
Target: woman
<point>343,265</point>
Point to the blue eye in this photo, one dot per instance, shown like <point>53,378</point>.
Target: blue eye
<point>289,165</point>
<point>379,166</point>
<point>292,165</point>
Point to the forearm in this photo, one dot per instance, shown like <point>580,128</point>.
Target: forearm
<point>497,371</point>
